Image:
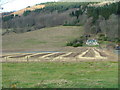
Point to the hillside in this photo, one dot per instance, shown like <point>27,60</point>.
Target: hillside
<point>85,0</point>
<point>101,21</point>
<point>39,6</point>
<point>53,14</point>
<point>20,12</point>
<point>31,8</point>
<point>53,38</point>
<point>102,3</point>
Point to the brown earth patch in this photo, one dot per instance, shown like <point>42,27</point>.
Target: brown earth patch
<point>56,55</point>
<point>90,53</point>
<point>103,54</point>
<point>39,55</point>
<point>72,55</point>
<point>19,56</point>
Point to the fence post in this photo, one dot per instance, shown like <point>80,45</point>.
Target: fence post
<point>27,59</point>
<point>6,59</point>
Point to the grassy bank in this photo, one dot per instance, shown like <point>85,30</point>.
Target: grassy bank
<point>52,37</point>
<point>61,75</point>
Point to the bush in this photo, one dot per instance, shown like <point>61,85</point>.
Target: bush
<point>26,13</point>
<point>117,40</point>
<point>76,43</point>
<point>69,44</point>
<point>6,18</point>
<point>103,37</point>
<point>37,10</point>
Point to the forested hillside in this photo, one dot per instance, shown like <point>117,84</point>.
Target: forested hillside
<point>99,20</point>
<point>95,19</point>
<point>53,14</point>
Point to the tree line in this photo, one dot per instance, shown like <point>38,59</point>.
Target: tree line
<point>53,14</point>
<point>101,19</point>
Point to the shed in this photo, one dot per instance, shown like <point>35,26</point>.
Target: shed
<point>92,42</point>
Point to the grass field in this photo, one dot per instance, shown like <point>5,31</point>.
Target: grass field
<point>53,37</point>
<point>86,74</point>
<point>102,74</point>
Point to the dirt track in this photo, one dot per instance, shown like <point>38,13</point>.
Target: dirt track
<point>82,54</point>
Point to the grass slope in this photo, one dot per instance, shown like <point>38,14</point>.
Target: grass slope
<point>60,75</point>
<point>53,37</point>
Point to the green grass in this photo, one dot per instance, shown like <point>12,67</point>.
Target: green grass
<point>34,41</point>
<point>60,75</point>
<point>52,37</point>
<point>90,45</point>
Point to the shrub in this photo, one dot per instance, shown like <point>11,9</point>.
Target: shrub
<point>6,18</point>
<point>26,13</point>
<point>117,40</point>
<point>69,44</point>
<point>76,43</point>
<point>103,37</point>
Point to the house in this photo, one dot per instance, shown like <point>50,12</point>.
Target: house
<point>92,42</point>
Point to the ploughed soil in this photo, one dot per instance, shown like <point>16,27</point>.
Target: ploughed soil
<point>62,51</point>
<point>56,55</point>
<point>90,53</point>
<point>39,55</point>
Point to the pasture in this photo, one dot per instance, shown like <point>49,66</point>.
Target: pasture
<point>81,67</point>
<point>51,38</point>
<point>101,74</point>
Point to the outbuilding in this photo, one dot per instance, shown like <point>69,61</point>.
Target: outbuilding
<point>92,42</point>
